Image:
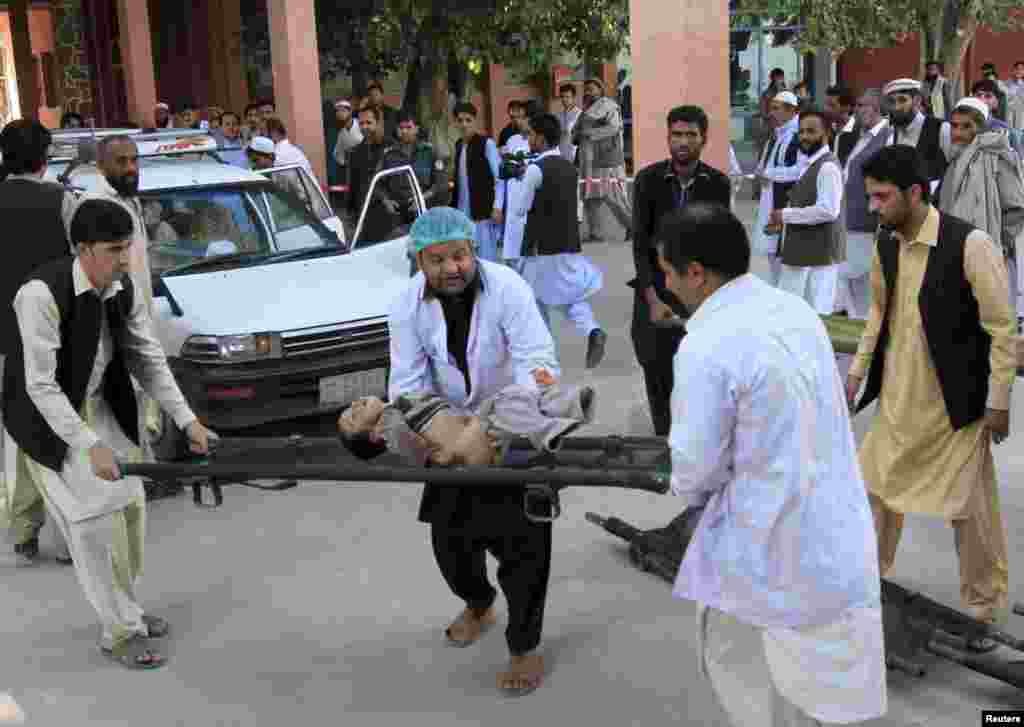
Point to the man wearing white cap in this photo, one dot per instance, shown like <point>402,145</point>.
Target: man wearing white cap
<point>983,184</point>
<point>778,171</point>
<point>162,116</point>
<point>261,153</point>
<point>910,126</point>
<point>350,135</point>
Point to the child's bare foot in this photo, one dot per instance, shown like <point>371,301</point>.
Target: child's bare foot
<point>524,674</point>
<point>467,628</point>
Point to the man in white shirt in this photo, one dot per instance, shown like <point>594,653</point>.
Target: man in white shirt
<point>783,563</point>
<point>285,152</point>
<point>814,236</point>
<point>568,117</point>
<point>71,411</point>
<point>778,172</point>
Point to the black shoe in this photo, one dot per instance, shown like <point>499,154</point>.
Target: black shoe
<point>595,348</point>
<point>27,553</point>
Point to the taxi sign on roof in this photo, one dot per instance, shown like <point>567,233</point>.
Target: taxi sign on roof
<point>157,143</point>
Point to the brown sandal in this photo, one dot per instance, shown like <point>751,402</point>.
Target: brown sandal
<point>468,627</point>
<point>528,670</point>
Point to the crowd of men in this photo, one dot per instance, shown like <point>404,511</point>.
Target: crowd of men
<point>878,206</point>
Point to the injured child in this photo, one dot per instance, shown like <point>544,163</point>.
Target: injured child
<point>424,428</point>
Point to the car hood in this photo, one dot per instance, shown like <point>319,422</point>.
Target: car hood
<point>289,295</point>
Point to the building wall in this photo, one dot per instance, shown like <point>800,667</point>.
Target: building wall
<point>874,67</point>
<point>69,44</point>
<point>40,23</point>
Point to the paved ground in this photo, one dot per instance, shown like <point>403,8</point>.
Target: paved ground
<point>323,606</point>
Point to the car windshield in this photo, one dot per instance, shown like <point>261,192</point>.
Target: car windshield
<point>198,227</point>
<point>188,225</point>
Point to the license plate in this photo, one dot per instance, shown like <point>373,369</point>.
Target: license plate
<point>343,389</point>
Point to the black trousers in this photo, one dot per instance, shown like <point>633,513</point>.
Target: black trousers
<point>655,348</point>
<point>523,551</point>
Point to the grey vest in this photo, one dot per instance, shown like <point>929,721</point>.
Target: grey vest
<point>808,246</point>
<point>858,218</point>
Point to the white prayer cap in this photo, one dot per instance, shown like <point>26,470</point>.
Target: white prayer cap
<point>163,106</point>
<point>787,97</point>
<point>902,85</point>
<point>975,104</point>
<point>342,102</point>
<point>261,145</point>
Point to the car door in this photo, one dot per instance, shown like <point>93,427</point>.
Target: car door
<point>367,234</point>
<point>296,179</point>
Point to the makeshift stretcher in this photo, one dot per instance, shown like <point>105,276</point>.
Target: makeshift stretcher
<point>914,625</point>
<point>580,462</point>
<point>845,334</point>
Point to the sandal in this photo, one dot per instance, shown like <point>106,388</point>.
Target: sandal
<point>156,626</point>
<point>530,669</point>
<point>468,627</point>
<point>135,653</point>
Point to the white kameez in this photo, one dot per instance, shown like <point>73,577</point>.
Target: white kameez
<point>488,232</point>
<point>763,244</point>
<point>515,225</point>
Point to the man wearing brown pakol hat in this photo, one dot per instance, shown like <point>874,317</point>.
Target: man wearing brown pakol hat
<point>910,126</point>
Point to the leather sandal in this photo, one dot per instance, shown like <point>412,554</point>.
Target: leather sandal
<point>135,653</point>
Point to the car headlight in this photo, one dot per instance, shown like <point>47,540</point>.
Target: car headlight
<point>231,349</point>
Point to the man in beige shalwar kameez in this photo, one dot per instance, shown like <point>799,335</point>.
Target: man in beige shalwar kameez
<point>938,351</point>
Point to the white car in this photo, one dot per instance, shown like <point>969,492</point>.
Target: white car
<point>264,309</point>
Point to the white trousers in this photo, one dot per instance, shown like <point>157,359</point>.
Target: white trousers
<point>732,659</point>
<point>815,285</point>
<point>107,553</point>
<point>581,315</point>
<point>853,295</point>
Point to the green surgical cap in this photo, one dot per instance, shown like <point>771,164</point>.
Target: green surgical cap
<point>439,225</point>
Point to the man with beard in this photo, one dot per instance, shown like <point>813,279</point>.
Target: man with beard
<point>778,171</point>
<point>162,116</point>
<point>988,92</point>
<point>253,123</point>
<point>939,354</point>
<point>454,300</point>
<point>28,206</point>
<point>983,185</point>
<point>936,92</point>
<point>814,226</point>
<point>389,114</point>
<point>667,185</point>
<point>598,136</point>
<point>364,162</point>
<point>910,127</point>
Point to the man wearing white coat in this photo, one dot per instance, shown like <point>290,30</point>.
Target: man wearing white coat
<point>70,410</point>
<point>464,329</point>
<point>783,562</point>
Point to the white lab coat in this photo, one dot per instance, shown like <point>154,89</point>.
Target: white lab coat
<point>515,225</point>
<point>507,340</point>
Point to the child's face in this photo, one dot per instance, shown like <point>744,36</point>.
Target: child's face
<point>362,416</point>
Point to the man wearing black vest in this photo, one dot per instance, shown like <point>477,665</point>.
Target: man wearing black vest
<point>554,266</point>
<point>27,204</point>
<point>910,126</point>
<point>659,189</point>
<point>939,354</point>
<point>479,193</point>
<point>777,171</point>
<point>69,407</point>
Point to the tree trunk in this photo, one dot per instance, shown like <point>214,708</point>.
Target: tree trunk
<point>946,35</point>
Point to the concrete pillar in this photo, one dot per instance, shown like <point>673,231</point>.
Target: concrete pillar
<point>137,59</point>
<point>296,65</point>
<point>24,62</point>
<point>680,56</point>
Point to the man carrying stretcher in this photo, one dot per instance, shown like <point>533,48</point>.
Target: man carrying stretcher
<point>469,333</point>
